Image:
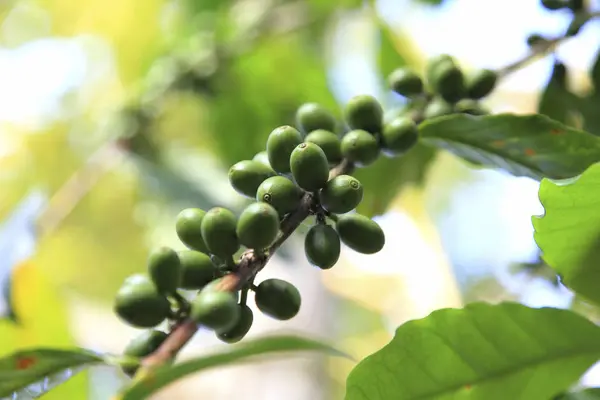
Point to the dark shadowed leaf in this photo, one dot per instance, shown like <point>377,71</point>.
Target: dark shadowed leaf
<point>383,180</point>
<point>556,101</point>
<point>491,352</point>
<point>149,384</point>
<point>569,231</point>
<point>524,145</point>
<point>37,371</point>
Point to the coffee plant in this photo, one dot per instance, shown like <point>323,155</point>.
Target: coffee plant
<point>309,172</point>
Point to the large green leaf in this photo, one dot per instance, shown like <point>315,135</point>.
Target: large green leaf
<point>36,371</point>
<point>524,145</point>
<point>569,231</point>
<point>383,180</point>
<point>588,394</point>
<point>149,384</point>
<point>487,352</point>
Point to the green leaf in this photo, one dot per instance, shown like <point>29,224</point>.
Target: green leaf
<point>483,351</point>
<point>587,394</point>
<point>588,106</point>
<point>39,370</point>
<point>557,102</point>
<point>163,376</point>
<point>524,145</point>
<point>388,57</point>
<point>383,180</point>
<point>569,231</point>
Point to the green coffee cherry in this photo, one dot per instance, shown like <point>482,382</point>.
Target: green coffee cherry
<point>360,147</point>
<point>280,144</point>
<point>278,299</point>
<point>360,233</point>
<point>164,269</point>
<point>435,63</point>
<point>197,270</point>
<point>216,310</point>
<point>309,166</point>
<point>329,142</point>
<point>263,158</point>
<point>246,176</point>
<point>142,345</point>
<point>322,246</point>
<point>399,136</point>
<point>437,107</point>
<point>405,82</point>
<point>448,81</point>
<point>241,329</point>
<point>555,4</point>
<point>480,83</point>
<point>218,230</point>
<point>341,194</point>
<point>281,193</point>
<point>258,226</point>
<point>188,228</point>
<point>470,106</point>
<point>139,303</point>
<point>535,39</point>
<point>364,112</point>
<point>313,116</point>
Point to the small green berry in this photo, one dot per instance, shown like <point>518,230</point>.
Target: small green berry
<point>329,142</point>
<point>435,63</point>
<point>246,176</point>
<point>197,270</point>
<point>448,81</point>
<point>399,136</point>
<point>258,226</point>
<point>437,108</point>
<point>469,106</point>
<point>216,310</point>
<point>278,299</point>
<point>241,329</point>
<point>555,4</point>
<point>164,269</point>
<point>313,116</point>
<point>360,147</point>
<point>480,83</point>
<point>535,39</point>
<point>360,233</point>
<point>341,194</point>
<point>218,230</point>
<point>280,144</point>
<point>309,166</point>
<point>142,345</point>
<point>322,246</point>
<point>188,230</point>
<point>263,158</point>
<point>364,112</point>
<point>405,82</point>
<point>281,193</point>
<point>139,303</point>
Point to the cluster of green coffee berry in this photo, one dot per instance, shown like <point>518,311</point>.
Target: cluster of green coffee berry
<point>580,16</point>
<point>304,171</point>
<point>445,90</point>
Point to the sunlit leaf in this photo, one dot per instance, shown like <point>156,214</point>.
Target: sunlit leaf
<point>149,384</point>
<point>569,231</point>
<point>524,145</point>
<point>483,351</point>
<point>36,371</point>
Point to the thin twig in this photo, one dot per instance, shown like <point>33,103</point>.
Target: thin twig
<point>250,264</point>
<point>542,49</point>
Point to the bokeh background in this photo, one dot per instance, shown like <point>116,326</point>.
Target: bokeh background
<point>116,115</point>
